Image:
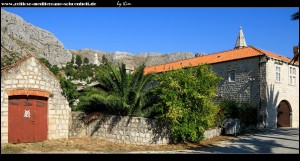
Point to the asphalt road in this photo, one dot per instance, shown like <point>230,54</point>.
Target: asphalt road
<point>269,141</point>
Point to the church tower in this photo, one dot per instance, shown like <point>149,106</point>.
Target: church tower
<point>240,42</point>
<point>96,61</point>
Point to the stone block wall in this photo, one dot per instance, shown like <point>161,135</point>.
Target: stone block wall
<point>124,129</point>
<point>4,113</point>
<point>245,88</point>
<point>77,126</point>
<point>212,133</point>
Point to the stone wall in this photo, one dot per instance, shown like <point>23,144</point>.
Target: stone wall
<point>133,130</point>
<point>263,96</point>
<point>30,74</point>
<point>245,88</point>
<point>125,129</point>
<point>212,133</point>
<point>77,126</point>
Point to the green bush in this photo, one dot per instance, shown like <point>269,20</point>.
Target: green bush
<point>69,91</point>
<point>244,111</point>
<point>184,102</point>
<point>68,88</point>
<point>86,60</point>
<point>78,60</point>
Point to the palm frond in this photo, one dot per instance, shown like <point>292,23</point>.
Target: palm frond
<point>295,16</point>
<point>124,93</point>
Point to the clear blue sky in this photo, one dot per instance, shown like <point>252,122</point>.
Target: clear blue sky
<point>167,30</point>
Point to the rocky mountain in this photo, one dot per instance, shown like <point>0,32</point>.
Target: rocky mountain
<point>150,59</point>
<point>19,38</point>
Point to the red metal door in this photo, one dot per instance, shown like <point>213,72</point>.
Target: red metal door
<point>14,120</point>
<point>27,118</point>
<point>283,115</point>
<point>40,115</point>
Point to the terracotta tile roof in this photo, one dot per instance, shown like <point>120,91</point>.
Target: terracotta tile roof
<point>4,69</point>
<point>219,57</point>
<point>273,55</point>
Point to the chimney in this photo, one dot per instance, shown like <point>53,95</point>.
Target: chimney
<point>296,50</point>
<point>296,54</point>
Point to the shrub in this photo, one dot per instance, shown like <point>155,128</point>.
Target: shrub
<point>184,102</point>
<point>78,60</point>
<point>69,91</point>
<point>244,111</point>
<point>68,88</point>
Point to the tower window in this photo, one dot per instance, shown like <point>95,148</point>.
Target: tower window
<point>231,77</point>
<point>277,74</point>
<point>292,76</point>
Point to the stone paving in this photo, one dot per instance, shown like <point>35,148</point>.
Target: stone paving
<point>269,141</point>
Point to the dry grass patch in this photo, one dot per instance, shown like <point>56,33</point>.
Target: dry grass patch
<point>92,145</point>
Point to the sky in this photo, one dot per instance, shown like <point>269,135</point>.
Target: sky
<point>167,30</point>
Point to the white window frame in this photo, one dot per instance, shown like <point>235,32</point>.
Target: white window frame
<point>292,75</point>
<point>277,74</point>
<point>230,74</point>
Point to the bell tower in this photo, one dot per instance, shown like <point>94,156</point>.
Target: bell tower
<point>240,42</point>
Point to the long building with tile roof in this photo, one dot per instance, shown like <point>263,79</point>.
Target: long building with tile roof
<point>219,57</point>
<point>265,79</point>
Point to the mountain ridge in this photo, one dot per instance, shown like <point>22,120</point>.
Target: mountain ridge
<point>20,38</point>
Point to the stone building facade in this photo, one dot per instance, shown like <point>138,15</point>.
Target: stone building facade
<point>281,86</point>
<point>245,87</point>
<point>264,79</point>
<point>25,81</point>
<point>255,83</point>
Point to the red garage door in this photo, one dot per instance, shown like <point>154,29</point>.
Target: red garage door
<point>283,115</point>
<point>27,119</point>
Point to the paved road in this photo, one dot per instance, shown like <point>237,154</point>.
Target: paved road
<point>269,141</point>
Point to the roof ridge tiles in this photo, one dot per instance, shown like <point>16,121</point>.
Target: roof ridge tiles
<point>200,56</point>
<point>274,55</point>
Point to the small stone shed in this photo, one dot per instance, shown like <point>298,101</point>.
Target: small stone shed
<point>33,108</point>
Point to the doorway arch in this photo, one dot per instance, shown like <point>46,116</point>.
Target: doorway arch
<point>284,113</point>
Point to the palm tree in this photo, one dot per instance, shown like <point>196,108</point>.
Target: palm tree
<point>295,16</point>
<point>123,93</point>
